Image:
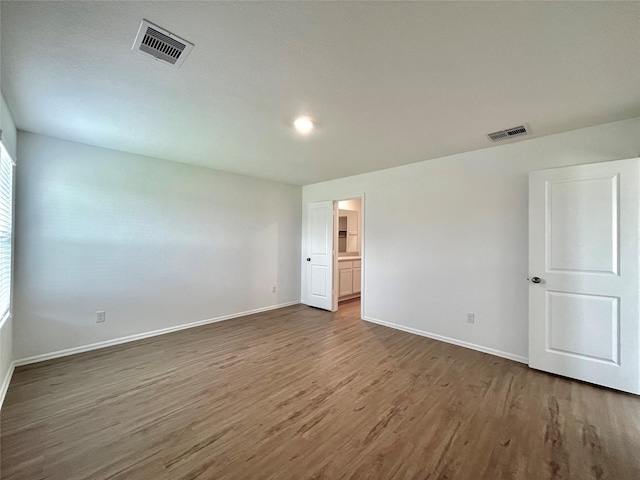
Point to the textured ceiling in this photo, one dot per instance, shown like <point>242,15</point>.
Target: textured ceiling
<point>388,83</point>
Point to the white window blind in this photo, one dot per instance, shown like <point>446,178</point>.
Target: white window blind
<point>6,230</point>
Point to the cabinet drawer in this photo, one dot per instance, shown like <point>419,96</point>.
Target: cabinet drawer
<point>344,265</point>
<point>357,263</point>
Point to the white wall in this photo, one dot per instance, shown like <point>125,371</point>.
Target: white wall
<point>6,356</point>
<point>155,244</point>
<point>350,204</point>
<point>8,127</point>
<point>449,236</point>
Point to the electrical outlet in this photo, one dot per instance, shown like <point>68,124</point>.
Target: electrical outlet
<point>471,317</point>
<point>273,289</point>
<point>100,317</point>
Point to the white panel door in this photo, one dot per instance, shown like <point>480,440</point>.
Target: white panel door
<point>319,259</point>
<point>584,265</point>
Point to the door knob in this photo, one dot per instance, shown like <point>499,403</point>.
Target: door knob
<point>536,280</point>
<point>308,259</point>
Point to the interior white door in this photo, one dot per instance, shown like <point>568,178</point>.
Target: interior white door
<point>319,259</point>
<point>583,261</point>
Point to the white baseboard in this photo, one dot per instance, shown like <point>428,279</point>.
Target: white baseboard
<point>5,382</point>
<point>460,343</point>
<point>140,336</point>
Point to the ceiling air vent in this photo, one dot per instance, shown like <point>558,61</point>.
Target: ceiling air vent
<point>509,133</point>
<point>161,45</point>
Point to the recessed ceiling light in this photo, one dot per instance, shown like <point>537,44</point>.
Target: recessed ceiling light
<point>303,125</point>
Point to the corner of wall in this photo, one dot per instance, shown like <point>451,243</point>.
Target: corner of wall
<point>8,126</point>
<point>7,362</point>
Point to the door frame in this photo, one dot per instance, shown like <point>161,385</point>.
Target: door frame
<point>334,291</point>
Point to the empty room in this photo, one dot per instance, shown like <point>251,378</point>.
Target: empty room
<point>319,240</point>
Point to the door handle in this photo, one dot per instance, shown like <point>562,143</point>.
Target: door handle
<point>308,259</point>
<point>536,280</point>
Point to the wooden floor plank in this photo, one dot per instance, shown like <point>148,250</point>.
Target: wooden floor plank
<point>302,393</point>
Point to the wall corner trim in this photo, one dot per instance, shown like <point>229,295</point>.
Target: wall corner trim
<point>141,336</point>
<point>6,381</point>
<point>453,341</point>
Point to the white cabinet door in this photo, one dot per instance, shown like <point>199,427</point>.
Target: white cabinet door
<point>346,282</point>
<point>319,260</point>
<point>352,222</point>
<point>356,279</point>
<point>352,243</point>
<point>583,262</point>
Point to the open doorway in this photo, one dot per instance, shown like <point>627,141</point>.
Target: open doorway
<point>348,237</point>
<point>333,270</point>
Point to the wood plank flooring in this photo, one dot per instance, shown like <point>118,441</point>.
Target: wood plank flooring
<point>299,393</point>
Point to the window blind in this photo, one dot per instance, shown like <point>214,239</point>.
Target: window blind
<point>6,230</point>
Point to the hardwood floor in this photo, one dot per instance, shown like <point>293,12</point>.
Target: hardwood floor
<point>301,393</point>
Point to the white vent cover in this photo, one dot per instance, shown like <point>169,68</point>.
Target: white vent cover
<point>509,133</point>
<point>161,45</point>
